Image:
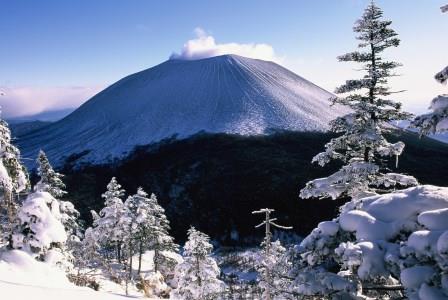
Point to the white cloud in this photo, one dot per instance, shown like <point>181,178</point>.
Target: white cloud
<point>204,46</point>
<point>27,100</point>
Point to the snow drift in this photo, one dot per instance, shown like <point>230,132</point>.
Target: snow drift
<point>22,277</point>
<point>228,93</point>
<point>384,239</point>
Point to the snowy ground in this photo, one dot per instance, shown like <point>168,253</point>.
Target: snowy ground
<point>22,277</point>
<point>23,291</point>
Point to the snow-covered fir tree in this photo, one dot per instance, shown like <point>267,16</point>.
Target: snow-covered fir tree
<point>362,145</point>
<point>13,180</point>
<point>197,275</point>
<point>273,270</point>
<point>51,182</point>
<point>88,252</point>
<point>138,222</point>
<point>110,222</point>
<point>13,175</point>
<point>437,120</point>
<point>272,262</point>
<point>38,230</point>
<point>159,238</point>
<point>129,226</point>
<point>150,230</point>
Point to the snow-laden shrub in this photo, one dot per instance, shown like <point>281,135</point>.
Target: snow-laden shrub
<point>380,245</point>
<point>38,229</point>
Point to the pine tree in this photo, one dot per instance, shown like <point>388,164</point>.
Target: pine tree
<point>197,276</point>
<point>110,221</point>
<point>129,223</point>
<point>272,274</point>
<point>13,179</point>
<point>159,238</point>
<point>151,229</point>
<point>38,229</point>
<point>50,180</point>
<point>273,271</point>
<point>437,120</point>
<point>137,222</point>
<point>362,145</point>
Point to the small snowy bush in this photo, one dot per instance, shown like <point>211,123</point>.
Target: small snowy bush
<point>38,229</point>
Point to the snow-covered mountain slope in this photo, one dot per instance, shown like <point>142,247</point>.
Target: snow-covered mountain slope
<point>229,93</point>
<point>18,129</point>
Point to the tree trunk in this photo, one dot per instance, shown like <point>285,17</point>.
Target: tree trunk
<point>366,154</point>
<point>118,246</point>
<point>197,272</point>
<point>130,260</point>
<point>156,260</point>
<point>140,253</point>
<point>11,212</point>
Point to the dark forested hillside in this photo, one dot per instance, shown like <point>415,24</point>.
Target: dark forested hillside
<point>214,181</point>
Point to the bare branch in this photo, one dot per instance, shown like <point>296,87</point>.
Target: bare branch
<point>263,210</point>
<point>281,227</point>
<point>383,288</point>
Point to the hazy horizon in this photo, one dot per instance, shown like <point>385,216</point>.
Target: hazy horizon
<point>58,55</point>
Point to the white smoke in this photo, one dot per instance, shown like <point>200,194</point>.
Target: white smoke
<point>204,46</point>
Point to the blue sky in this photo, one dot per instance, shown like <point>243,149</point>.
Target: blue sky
<point>57,54</point>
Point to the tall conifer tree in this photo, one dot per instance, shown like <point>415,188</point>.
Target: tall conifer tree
<point>362,145</point>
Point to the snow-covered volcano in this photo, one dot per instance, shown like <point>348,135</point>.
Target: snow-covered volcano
<point>229,93</point>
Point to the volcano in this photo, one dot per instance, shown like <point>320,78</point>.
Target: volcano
<point>178,98</point>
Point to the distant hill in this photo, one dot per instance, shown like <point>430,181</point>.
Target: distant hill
<point>46,116</point>
<point>21,128</point>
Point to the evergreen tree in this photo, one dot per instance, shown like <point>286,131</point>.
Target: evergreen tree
<point>362,145</point>
<point>137,221</point>
<point>109,223</point>
<point>159,238</point>
<point>13,175</point>
<point>130,227</point>
<point>197,276</point>
<point>437,120</point>
<point>50,180</point>
<point>272,263</point>
<point>38,229</point>
<point>273,271</point>
<point>150,230</point>
<point>13,179</point>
